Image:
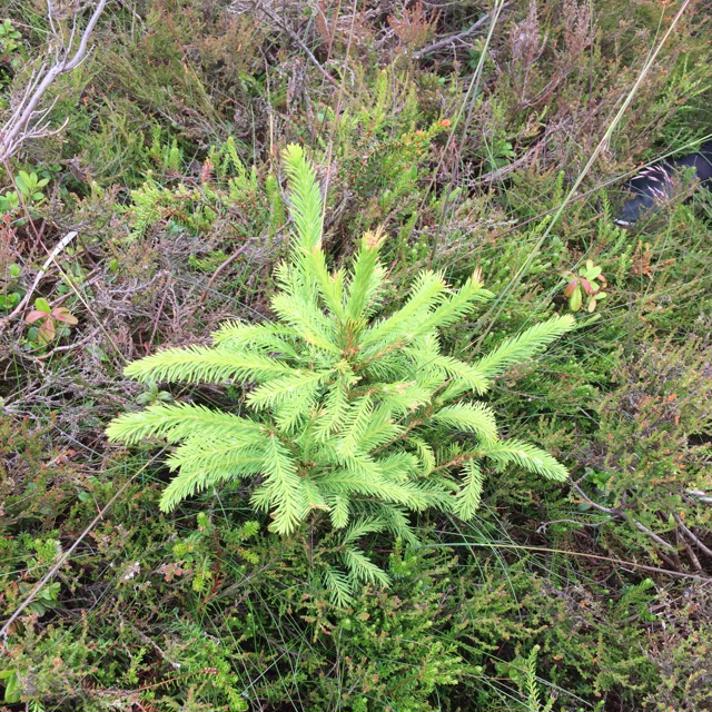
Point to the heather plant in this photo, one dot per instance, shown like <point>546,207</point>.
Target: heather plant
<point>351,419</point>
<point>459,142</point>
<point>178,204</point>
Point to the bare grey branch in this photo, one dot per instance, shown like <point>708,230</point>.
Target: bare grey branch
<point>26,121</point>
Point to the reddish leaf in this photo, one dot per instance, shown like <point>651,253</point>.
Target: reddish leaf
<point>206,172</point>
<point>63,314</point>
<point>570,288</point>
<point>47,331</point>
<point>35,315</point>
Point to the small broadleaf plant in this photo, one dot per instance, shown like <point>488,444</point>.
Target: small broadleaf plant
<point>352,420</point>
<point>588,285</point>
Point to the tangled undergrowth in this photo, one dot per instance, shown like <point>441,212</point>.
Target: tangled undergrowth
<point>458,130</point>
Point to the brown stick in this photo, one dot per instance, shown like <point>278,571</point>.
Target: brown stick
<point>453,38</point>
<point>619,515</point>
<point>692,536</point>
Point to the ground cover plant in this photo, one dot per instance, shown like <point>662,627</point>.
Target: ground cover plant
<point>152,214</point>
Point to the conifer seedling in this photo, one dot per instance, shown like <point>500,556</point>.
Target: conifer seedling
<point>354,417</point>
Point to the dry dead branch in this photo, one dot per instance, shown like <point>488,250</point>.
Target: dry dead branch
<point>28,120</point>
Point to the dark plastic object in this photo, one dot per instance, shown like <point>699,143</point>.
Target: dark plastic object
<point>654,184</point>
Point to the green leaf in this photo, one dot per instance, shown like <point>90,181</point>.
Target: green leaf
<point>206,463</point>
<point>13,691</point>
<point>476,418</point>
<point>305,201</point>
<point>339,511</point>
<point>363,527</point>
<point>298,384</point>
<point>41,304</point>
<point>464,377</point>
<point>334,408</point>
<point>527,456</point>
<point>424,294</point>
<point>367,278</point>
<point>425,454</point>
<point>308,323</point>
<point>339,586</point>
<point>283,488</point>
<point>275,338</point>
<point>455,307</point>
<point>201,364</point>
<point>25,182</point>
<point>356,422</point>
<point>363,569</point>
<point>469,497</point>
<point>525,345</point>
<point>176,422</point>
